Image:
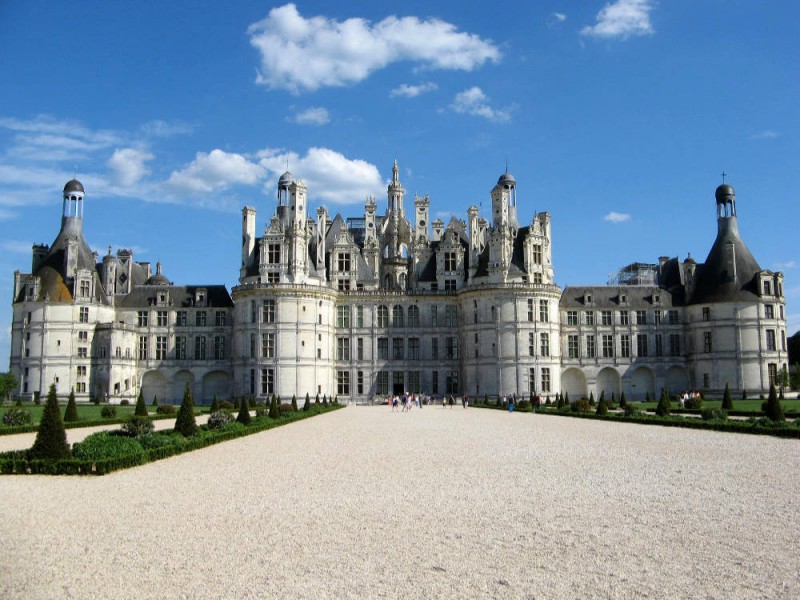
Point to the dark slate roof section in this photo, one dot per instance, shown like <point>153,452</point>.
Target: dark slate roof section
<point>252,270</point>
<point>334,230</point>
<point>670,278</point>
<point>607,297</point>
<point>428,273</point>
<point>181,296</point>
<point>729,273</point>
<point>517,256</point>
<point>483,263</point>
<point>364,272</point>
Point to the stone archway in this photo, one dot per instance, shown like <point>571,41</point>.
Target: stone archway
<point>609,381</point>
<point>217,383</point>
<point>643,382</point>
<point>677,380</point>
<point>573,381</point>
<point>179,382</point>
<point>154,384</point>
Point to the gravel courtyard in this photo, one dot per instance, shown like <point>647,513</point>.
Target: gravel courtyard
<point>437,503</point>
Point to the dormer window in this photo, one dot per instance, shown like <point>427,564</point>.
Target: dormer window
<point>343,262</point>
<point>588,298</point>
<point>767,288</point>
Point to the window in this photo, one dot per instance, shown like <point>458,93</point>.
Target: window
<point>359,382</point>
<point>397,348</point>
<point>641,345</point>
<point>530,309</point>
<point>434,316</point>
<point>674,344</point>
<point>219,347</point>
<point>413,348</point>
<point>451,347</point>
<point>624,317</point>
<point>220,318</point>
<point>783,340</point>
<point>544,338</point>
<point>544,311</point>
<point>413,381</point>
<point>772,370</point>
<point>267,381</point>
<point>382,383</point>
<point>591,350</point>
<point>267,345</point>
<point>359,348</point>
<point>537,254</point>
<point>142,347</point>
<point>82,371</point>
<point>180,347</point>
<point>161,318</point>
<point>449,261</point>
<point>273,277</point>
<point>161,347</point>
<point>434,382</point>
<point>572,317</point>
<point>641,317</point>
<point>435,348</point>
<point>545,379</point>
<point>343,285</point>
<point>659,346</point>
<point>532,344</point>
<point>605,317</point>
<point>397,316</point>
<point>770,340</point>
<point>343,383</point>
<point>769,311</point>
<point>84,292</point>
<point>451,382</point>
<point>268,311</point>
<point>780,307</point>
<point>200,347</point>
<point>673,317</point>
<point>383,348</point>
<point>342,348</point>
<point>83,336</point>
<point>449,285</point>
<point>413,316</point>
<point>625,345</point>
<point>706,341</point>
<point>83,352</point>
<point>706,313</point>
<point>359,316</point>
<point>451,316</point>
<point>343,316</point>
<point>343,261</point>
<point>537,278</point>
<point>608,346</point>
<point>706,380</point>
<point>274,254</point>
<point>383,316</point>
<point>180,318</point>
<point>657,317</point>
<point>200,318</point>
<point>589,317</point>
<point>141,318</point>
<point>767,288</point>
<point>572,346</point>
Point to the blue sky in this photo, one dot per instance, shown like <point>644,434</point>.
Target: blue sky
<point>616,117</point>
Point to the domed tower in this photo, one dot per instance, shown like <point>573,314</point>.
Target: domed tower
<point>284,198</point>
<point>396,237</point>
<point>72,209</point>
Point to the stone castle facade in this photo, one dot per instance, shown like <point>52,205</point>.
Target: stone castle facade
<point>386,303</point>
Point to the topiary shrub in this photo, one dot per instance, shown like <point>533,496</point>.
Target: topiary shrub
<point>165,409</point>
<point>591,398</point>
<point>772,407</point>
<point>727,401</point>
<point>214,404</point>
<point>709,414</point>
<point>294,403</point>
<point>106,445</point>
<point>155,400</point>
<point>622,401</point>
<point>71,413</point>
<point>744,394</point>
<point>663,408</point>
<point>124,402</point>
<point>237,403</point>
<point>218,419</point>
<point>141,409</point>
<point>185,423</point>
<point>274,411</point>
<point>693,403</point>
<point>16,417</point>
<point>225,405</point>
<point>244,413</point>
<point>51,439</point>
<point>285,409</point>
<point>307,405</point>
<point>631,410</point>
<point>138,426</point>
<point>324,400</point>
<point>580,406</point>
<point>109,411</point>
<point>602,406</point>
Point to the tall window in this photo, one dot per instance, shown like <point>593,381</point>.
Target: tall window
<point>572,317</point>
<point>382,383</point>
<point>672,316</point>
<point>141,318</point>
<point>180,318</point>
<point>591,350</point>
<point>451,382</point>
<point>413,316</point>
<point>161,318</point>
<point>268,311</point>
<point>770,340</point>
<point>359,382</point>
<point>706,313</point>
<point>767,288</point>
<point>219,347</point>
<point>589,317</point>
<point>544,338</point>
<point>274,254</point>
<point>413,381</point>
<point>537,278</point>
<point>343,261</point>
<point>641,345</point>
<point>142,347</point>
<point>769,311</point>
<point>413,348</point>
<point>343,383</point>
<point>544,311</point>
<point>605,317</point>
<point>161,347</point>
<point>449,261</point>
<point>200,347</point>
<point>383,316</point>
<point>435,348</point>
<point>537,254</point>
<point>641,317</point>
<point>659,345</point>
<point>532,344</point>
<point>608,346</point>
<point>383,348</point>
<point>545,379</point>
<point>625,345</point>
<point>451,347</point>
<point>572,346</point>
<point>200,318</point>
<point>657,317</point>
<point>451,316</point>
<point>267,381</point>
<point>674,344</point>
<point>180,347</point>
<point>268,345</point>
<point>359,316</point>
<point>342,348</point>
<point>397,316</point>
<point>220,318</point>
<point>84,291</point>
<point>434,382</point>
<point>707,341</point>
<point>434,316</point>
<point>624,317</point>
<point>530,309</point>
<point>397,348</point>
<point>343,316</point>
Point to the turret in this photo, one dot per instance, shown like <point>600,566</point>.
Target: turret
<point>248,239</point>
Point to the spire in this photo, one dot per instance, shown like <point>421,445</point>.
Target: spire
<point>395,173</point>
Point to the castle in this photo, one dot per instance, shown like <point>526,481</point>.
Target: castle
<point>386,303</point>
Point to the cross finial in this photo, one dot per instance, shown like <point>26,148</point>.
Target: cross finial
<point>724,174</point>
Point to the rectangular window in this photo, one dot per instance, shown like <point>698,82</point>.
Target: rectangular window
<point>641,345</point>
<point>451,347</point>
<point>200,318</point>
<point>767,288</point>
<point>82,352</point>
<point>200,347</point>
<point>219,347</point>
<point>268,311</point>
<point>608,346</point>
<point>267,345</point>
<point>706,380</point>
<point>383,316</point>
<point>142,347</point>
<point>657,314</point>
<point>545,379</point>
<point>434,382</point>
<point>360,348</point>
<point>641,317</point>
<point>707,341</point>
<point>82,371</point>
<point>180,318</point>
<point>397,348</point>
<point>161,318</point>
<point>220,318</point>
<point>532,344</point>
<point>537,278</point>
<point>545,344</point>
<point>783,340</point>
<point>342,348</point>
<point>449,285</point>
<point>537,254</point>
<point>141,318</point>
<point>180,347</point>
<point>267,382</point>
<point>435,348</point>
<point>161,347</point>
<point>659,346</point>
<point>84,291</point>
<point>273,277</point>
<point>343,383</point>
<point>83,336</point>
<point>360,382</point>
<point>589,315</point>
<point>359,316</point>
<point>544,311</point>
<point>343,316</point>
<point>413,316</point>
<point>449,261</point>
<point>413,348</point>
<point>434,316</point>
<point>591,350</point>
<point>383,348</point>
<point>625,345</point>
<point>84,314</point>
<point>413,382</point>
<point>673,317</point>
<point>674,344</point>
<point>780,307</point>
<point>343,285</point>
<point>382,383</point>
<point>770,340</point>
<point>274,254</point>
<point>572,317</point>
<point>343,262</point>
<point>451,382</point>
<point>706,313</point>
<point>572,346</point>
<point>624,317</point>
<point>397,316</point>
<point>769,311</point>
<point>451,316</point>
<point>530,309</point>
<point>605,317</point>
<point>252,345</point>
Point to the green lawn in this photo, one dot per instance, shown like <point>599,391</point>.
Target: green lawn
<point>789,406</point>
<point>86,412</point>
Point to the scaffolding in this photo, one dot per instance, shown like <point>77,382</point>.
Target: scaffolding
<point>635,274</point>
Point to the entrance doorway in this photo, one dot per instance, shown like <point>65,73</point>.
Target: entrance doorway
<point>398,387</point>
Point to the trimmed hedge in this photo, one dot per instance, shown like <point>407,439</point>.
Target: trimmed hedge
<point>18,463</point>
<point>76,425</point>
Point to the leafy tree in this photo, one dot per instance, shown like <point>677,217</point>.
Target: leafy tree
<point>185,423</point>
<point>783,380</point>
<point>71,413</point>
<point>141,409</point>
<point>307,405</point>
<point>794,377</point>
<point>244,413</point>
<point>663,408</point>
<point>274,409</point>
<point>51,439</point>
<point>772,407</point>
<point>727,401</point>
<point>8,383</point>
<point>214,404</point>
<point>294,403</point>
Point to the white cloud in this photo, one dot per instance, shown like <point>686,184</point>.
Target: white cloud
<point>474,102</point>
<point>622,19</point>
<point>765,135</point>
<point>616,217</point>
<point>16,246</point>
<point>328,174</point>
<point>789,264</point>
<point>164,129</point>
<point>412,91</point>
<point>559,17</point>
<point>316,115</point>
<point>127,165</point>
<point>214,171</point>
<point>300,54</point>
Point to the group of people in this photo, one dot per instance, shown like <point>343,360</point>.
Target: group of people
<point>687,395</point>
<point>407,401</point>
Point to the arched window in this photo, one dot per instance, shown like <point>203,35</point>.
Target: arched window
<point>402,281</point>
<point>397,316</point>
<point>387,282</point>
<point>383,316</point>
<point>413,316</point>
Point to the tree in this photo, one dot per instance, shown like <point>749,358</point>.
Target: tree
<point>783,380</point>
<point>51,438</point>
<point>591,398</point>
<point>274,409</point>
<point>602,406</point>
<point>185,423</point>
<point>307,405</point>
<point>294,403</point>
<point>71,413</point>
<point>794,377</point>
<point>237,403</point>
<point>244,413</point>
<point>155,400</point>
<point>663,408</point>
<point>772,407</point>
<point>744,394</point>
<point>8,383</point>
<point>622,401</point>
<point>727,401</point>
<point>141,409</point>
<point>214,404</point>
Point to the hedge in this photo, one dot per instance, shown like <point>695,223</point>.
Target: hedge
<point>17,463</point>
<point>77,424</point>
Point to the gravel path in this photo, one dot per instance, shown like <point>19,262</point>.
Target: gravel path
<point>366,503</point>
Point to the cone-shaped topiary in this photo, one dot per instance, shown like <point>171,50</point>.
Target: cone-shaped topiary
<point>141,409</point>
<point>324,400</point>
<point>622,401</point>
<point>185,423</point>
<point>237,403</point>
<point>307,405</point>
<point>246,402</point>
<point>244,413</point>
<point>317,400</point>
<point>294,403</point>
<point>71,414</point>
<point>566,398</point>
<point>744,394</point>
<point>274,410</point>
<point>51,439</point>
<point>214,404</point>
<point>663,408</point>
<point>602,406</point>
<point>155,400</point>
<point>727,401</point>
<point>591,398</point>
<point>772,407</point>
